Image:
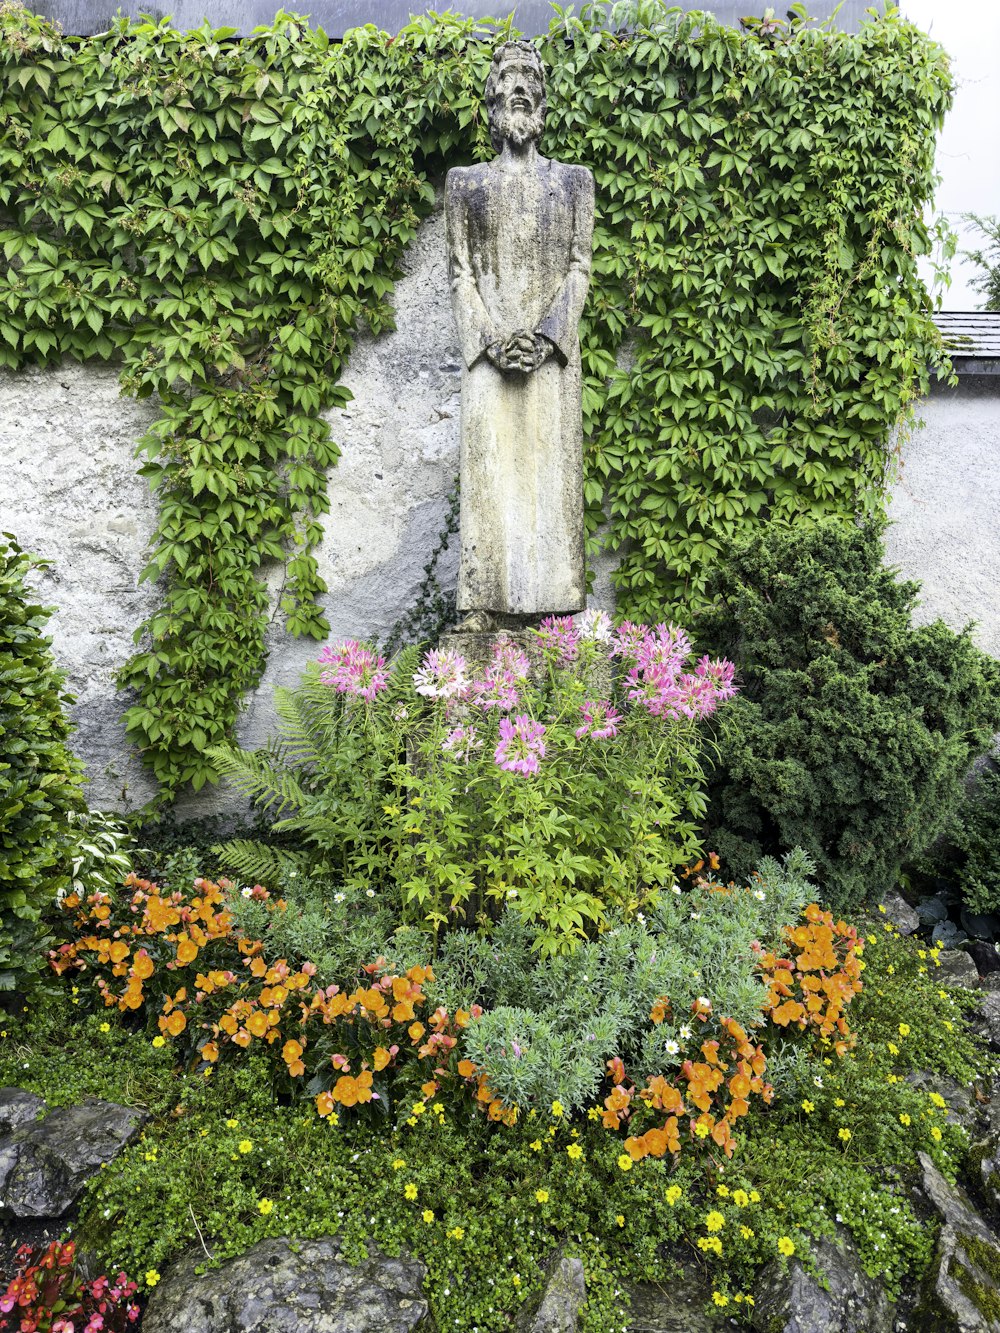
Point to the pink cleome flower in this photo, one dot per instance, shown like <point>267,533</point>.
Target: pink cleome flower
<point>600,720</point>
<point>354,670</point>
<point>521,745</point>
<point>461,741</point>
<point>441,675</point>
<point>559,637</point>
<point>499,686</point>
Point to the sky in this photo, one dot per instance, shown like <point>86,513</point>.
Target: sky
<point>968,155</point>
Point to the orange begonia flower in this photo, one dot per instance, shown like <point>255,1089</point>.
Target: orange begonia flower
<point>210,1052</point>
<point>381,1057</point>
<point>466,1068</point>
<point>257,1024</point>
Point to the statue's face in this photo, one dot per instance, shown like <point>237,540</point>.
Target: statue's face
<point>519,98</point>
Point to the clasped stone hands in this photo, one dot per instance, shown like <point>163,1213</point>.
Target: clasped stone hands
<point>523,351</point>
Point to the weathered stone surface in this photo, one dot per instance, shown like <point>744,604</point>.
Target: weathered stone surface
<point>678,1306</point>
<point>70,491</point>
<point>900,913</point>
<point>45,1165</point>
<point>957,969</point>
<point>963,1106</point>
<point>563,1297</point>
<point>18,1107</point>
<point>986,1020</point>
<point>519,245</point>
<point>962,1290</point>
<point>285,1286</point>
<point>788,1300</point>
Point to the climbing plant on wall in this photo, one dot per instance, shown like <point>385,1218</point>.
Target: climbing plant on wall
<point>219,216</point>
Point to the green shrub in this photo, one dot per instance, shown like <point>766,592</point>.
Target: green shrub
<point>973,846</point>
<point>40,779</point>
<point>853,730</point>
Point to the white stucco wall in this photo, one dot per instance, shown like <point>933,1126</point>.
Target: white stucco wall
<point>945,509</point>
<point>69,491</point>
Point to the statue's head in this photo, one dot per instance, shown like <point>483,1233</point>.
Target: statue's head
<point>515,95</point>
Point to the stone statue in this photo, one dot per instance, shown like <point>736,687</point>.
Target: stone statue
<point>519,241</point>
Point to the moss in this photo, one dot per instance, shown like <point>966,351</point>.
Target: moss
<point>986,1260</point>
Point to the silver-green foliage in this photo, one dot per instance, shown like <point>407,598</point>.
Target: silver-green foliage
<point>549,1027</point>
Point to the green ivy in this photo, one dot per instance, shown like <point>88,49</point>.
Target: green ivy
<point>219,216</point>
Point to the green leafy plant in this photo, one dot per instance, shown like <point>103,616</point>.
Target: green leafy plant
<point>853,730</point>
<point>221,215</point>
<point>535,784</point>
<point>40,779</point>
<point>971,852</point>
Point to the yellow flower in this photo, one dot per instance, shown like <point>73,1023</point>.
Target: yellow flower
<point>457,1233</point>
<point>557,1109</point>
<point>428,1216</point>
<point>741,1198</point>
<point>712,1243</point>
<point>893,1048</point>
<point>159,1041</point>
<point>418,1108</point>
<point>437,1108</point>
<point>722,1191</point>
<point>593,1113</point>
<point>881,909</point>
<point>542,1196</point>
<point>673,1194</point>
<point>936,1133</point>
<point>574,1152</point>
<point>702,1130</point>
<point>410,1190</point>
<point>921,953</point>
<point>620,1219</point>
<point>105,1027</point>
<point>892,1078</point>
<point>246,1146</point>
<point>844,1135</point>
<point>839,1101</point>
<point>786,1245</point>
<point>747,1233</point>
<point>333,1118</point>
<point>152,1277</point>
<point>265,1206</point>
<point>943,994</point>
<point>412,1120</point>
<point>150,1156</point>
<point>516,1279</point>
<point>754,1197</point>
<point>720,1300</point>
<point>949,1026</point>
<point>624,1162</point>
<point>399,1163</point>
<point>714,1221</point>
<point>232,1124</point>
<point>536,1146</point>
<point>904,1119</point>
<point>807,1106</point>
<point>891,970</point>
<point>937,1100</point>
<point>904,1029</point>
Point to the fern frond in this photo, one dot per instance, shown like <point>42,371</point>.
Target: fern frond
<point>254,775</point>
<point>257,863</point>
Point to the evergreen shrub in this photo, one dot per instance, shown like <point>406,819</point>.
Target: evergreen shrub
<point>973,839</point>
<point>40,791</point>
<point>853,729</point>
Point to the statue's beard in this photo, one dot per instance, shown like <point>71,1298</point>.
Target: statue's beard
<point>517,127</point>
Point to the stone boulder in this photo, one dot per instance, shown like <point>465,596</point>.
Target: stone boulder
<point>19,1107</point>
<point>900,913</point>
<point>788,1300</point>
<point>961,1292</point>
<point>287,1286</point>
<point>985,1021</point>
<point>563,1297</point>
<point>678,1306</point>
<point>957,969</point>
<point>44,1165</point>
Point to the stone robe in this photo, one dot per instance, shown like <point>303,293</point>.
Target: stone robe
<point>519,242</point>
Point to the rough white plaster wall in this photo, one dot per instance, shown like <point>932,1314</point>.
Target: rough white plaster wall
<point>945,510</point>
<point>69,491</point>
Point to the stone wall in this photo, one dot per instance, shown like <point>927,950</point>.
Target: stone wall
<point>69,491</point>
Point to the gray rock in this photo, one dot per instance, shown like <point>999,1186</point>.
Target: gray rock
<point>18,1107</point>
<point>679,1306</point>
<point>900,913</point>
<point>957,969</point>
<point>45,1165</point>
<point>985,957</point>
<point>961,1292</point>
<point>948,935</point>
<point>984,927</point>
<point>789,1300</point>
<point>991,982</point>
<point>285,1286</point>
<point>931,910</point>
<point>986,1020</point>
<point>963,1107</point>
<point>563,1297</point>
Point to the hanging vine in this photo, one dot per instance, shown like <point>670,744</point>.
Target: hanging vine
<point>218,216</point>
